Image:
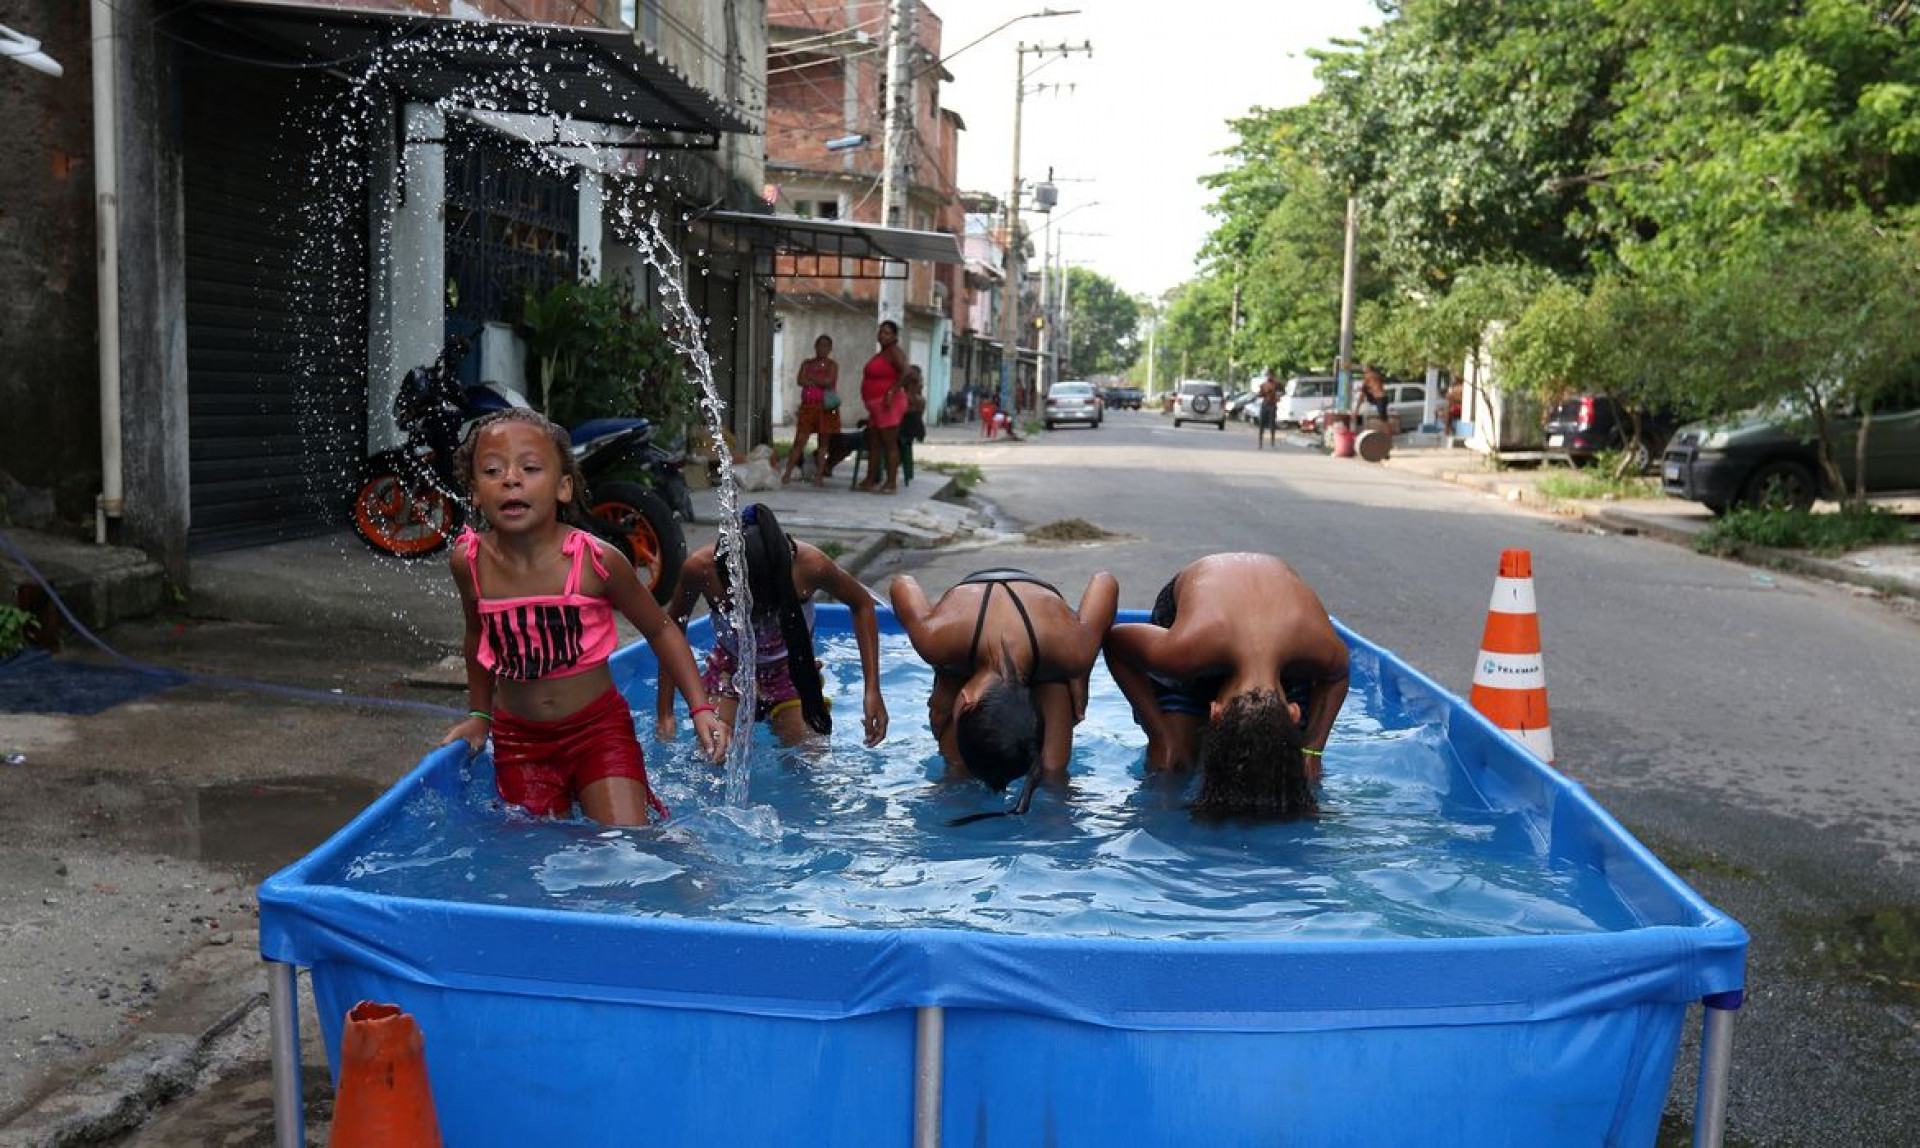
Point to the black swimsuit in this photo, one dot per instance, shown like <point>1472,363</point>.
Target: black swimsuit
<point>991,579</point>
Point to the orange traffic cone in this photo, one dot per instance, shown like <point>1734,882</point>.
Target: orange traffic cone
<point>1509,682</point>
<point>384,1100</point>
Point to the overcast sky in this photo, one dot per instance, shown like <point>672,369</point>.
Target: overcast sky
<point>1145,114</point>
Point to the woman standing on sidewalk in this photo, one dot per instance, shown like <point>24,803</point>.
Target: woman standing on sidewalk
<point>886,403</point>
<point>819,415</point>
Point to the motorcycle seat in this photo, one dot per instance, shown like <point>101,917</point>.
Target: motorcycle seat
<point>593,429</point>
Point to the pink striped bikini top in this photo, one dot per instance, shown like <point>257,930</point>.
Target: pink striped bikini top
<point>544,635</point>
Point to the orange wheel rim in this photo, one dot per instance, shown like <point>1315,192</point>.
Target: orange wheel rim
<point>401,524</point>
<point>640,536</point>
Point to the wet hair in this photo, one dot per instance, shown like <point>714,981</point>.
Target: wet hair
<point>1251,764</point>
<point>1000,737</point>
<point>769,555</point>
<point>574,512</point>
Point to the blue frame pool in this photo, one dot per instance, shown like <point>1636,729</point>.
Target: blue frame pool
<point>547,1026</point>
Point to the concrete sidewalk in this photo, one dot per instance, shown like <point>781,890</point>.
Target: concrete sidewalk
<point>1893,570</point>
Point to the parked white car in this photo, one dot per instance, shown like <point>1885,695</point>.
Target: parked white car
<point>1200,401</point>
<point>1305,394</point>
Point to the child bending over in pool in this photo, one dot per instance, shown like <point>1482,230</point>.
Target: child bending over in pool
<point>782,576</point>
<point>1010,662</point>
<point>539,595</point>
<point>1241,672</point>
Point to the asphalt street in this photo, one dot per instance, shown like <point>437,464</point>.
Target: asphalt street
<point>1754,729</point>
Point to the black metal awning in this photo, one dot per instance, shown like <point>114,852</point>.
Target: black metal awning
<point>591,74</point>
<point>792,245</point>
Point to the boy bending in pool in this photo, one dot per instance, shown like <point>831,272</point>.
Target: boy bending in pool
<point>1241,672</point>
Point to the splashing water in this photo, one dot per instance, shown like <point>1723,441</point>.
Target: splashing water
<point>347,139</point>
<point>685,337</point>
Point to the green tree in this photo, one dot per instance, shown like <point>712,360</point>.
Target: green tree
<point>1103,324</point>
<point>1734,120</point>
<point>1459,124</point>
<point>1833,339</point>
<point>1193,339</point>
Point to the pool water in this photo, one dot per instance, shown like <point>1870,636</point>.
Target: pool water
<point>857,838</point>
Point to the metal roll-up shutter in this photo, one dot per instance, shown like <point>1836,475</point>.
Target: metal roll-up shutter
<point>276,309</point>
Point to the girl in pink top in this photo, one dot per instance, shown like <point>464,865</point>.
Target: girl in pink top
<point>886,403</point>
<point>539,597</point>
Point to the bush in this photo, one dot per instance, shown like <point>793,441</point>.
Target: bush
<point>601,354</point>
<point>1829,534</point>
<point>1602,481</point>
<point>16,630</point>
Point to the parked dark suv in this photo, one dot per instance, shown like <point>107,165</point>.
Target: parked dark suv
<point>1585,425</point>
<point>1769,458</point>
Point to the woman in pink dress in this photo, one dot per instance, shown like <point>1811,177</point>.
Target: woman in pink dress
<point>886,403</point>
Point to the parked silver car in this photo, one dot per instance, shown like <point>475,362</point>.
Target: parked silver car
<point>1073,402</point>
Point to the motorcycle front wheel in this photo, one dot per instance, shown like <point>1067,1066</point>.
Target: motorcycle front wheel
<point>398,515</point>
<point>645,529</point>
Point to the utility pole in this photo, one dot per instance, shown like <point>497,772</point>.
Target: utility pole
<point>1015,261</point>
<point>1153,337</point>
<point>896,180</point>
<point>1343,374</point>
<point>1233,327</point>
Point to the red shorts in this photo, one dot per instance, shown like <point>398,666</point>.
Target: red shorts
<point>542,766</point>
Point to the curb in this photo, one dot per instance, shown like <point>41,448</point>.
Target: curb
<point>1759,556</point>
<point>149,1069</point>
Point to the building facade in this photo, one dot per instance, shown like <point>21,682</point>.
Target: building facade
<point>308,201</point>
<point>826,112</point>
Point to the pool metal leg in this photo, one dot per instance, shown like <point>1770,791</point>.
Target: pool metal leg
<point>929,1052</point>
<point>1716,1066</point>
<point>283,1020</point>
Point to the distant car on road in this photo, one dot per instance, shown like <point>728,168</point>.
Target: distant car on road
<point>1124,398</point>
<point>1073,401</point>
<point>1200,401</point>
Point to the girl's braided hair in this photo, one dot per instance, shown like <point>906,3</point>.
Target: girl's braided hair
<point>769,555</point>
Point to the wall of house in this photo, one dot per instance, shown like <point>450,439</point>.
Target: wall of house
<point>49,439</point>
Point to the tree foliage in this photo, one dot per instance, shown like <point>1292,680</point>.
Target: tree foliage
<point>1103,324</point>
<point>1685,203</point>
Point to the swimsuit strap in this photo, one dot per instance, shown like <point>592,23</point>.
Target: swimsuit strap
<point>579,545</point>
<point>980,624</point>
<point>469,541</point>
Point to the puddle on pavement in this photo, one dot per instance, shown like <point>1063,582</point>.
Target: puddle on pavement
<point>257,827</point>
<point>1881,947</point>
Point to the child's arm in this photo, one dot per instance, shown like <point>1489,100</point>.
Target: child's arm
<point>692,583</point>
<point>911,608</point>
<point>670,648</point>
<point>1097,608</point>
<point>822,572</point>
<point>471,729</point>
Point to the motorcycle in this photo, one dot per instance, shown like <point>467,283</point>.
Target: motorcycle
<point>407,501</point>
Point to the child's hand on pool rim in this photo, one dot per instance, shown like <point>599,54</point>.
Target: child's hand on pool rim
<point>712,735</point>
<point>472,730</point>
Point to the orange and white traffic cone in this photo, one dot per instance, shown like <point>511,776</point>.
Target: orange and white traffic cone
<point>384,1099</point>
<point>1509,680</point>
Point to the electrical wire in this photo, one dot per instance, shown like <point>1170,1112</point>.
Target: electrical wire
<point>178,677</point>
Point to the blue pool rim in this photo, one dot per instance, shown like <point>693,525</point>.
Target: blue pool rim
<point>1681,950</point>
